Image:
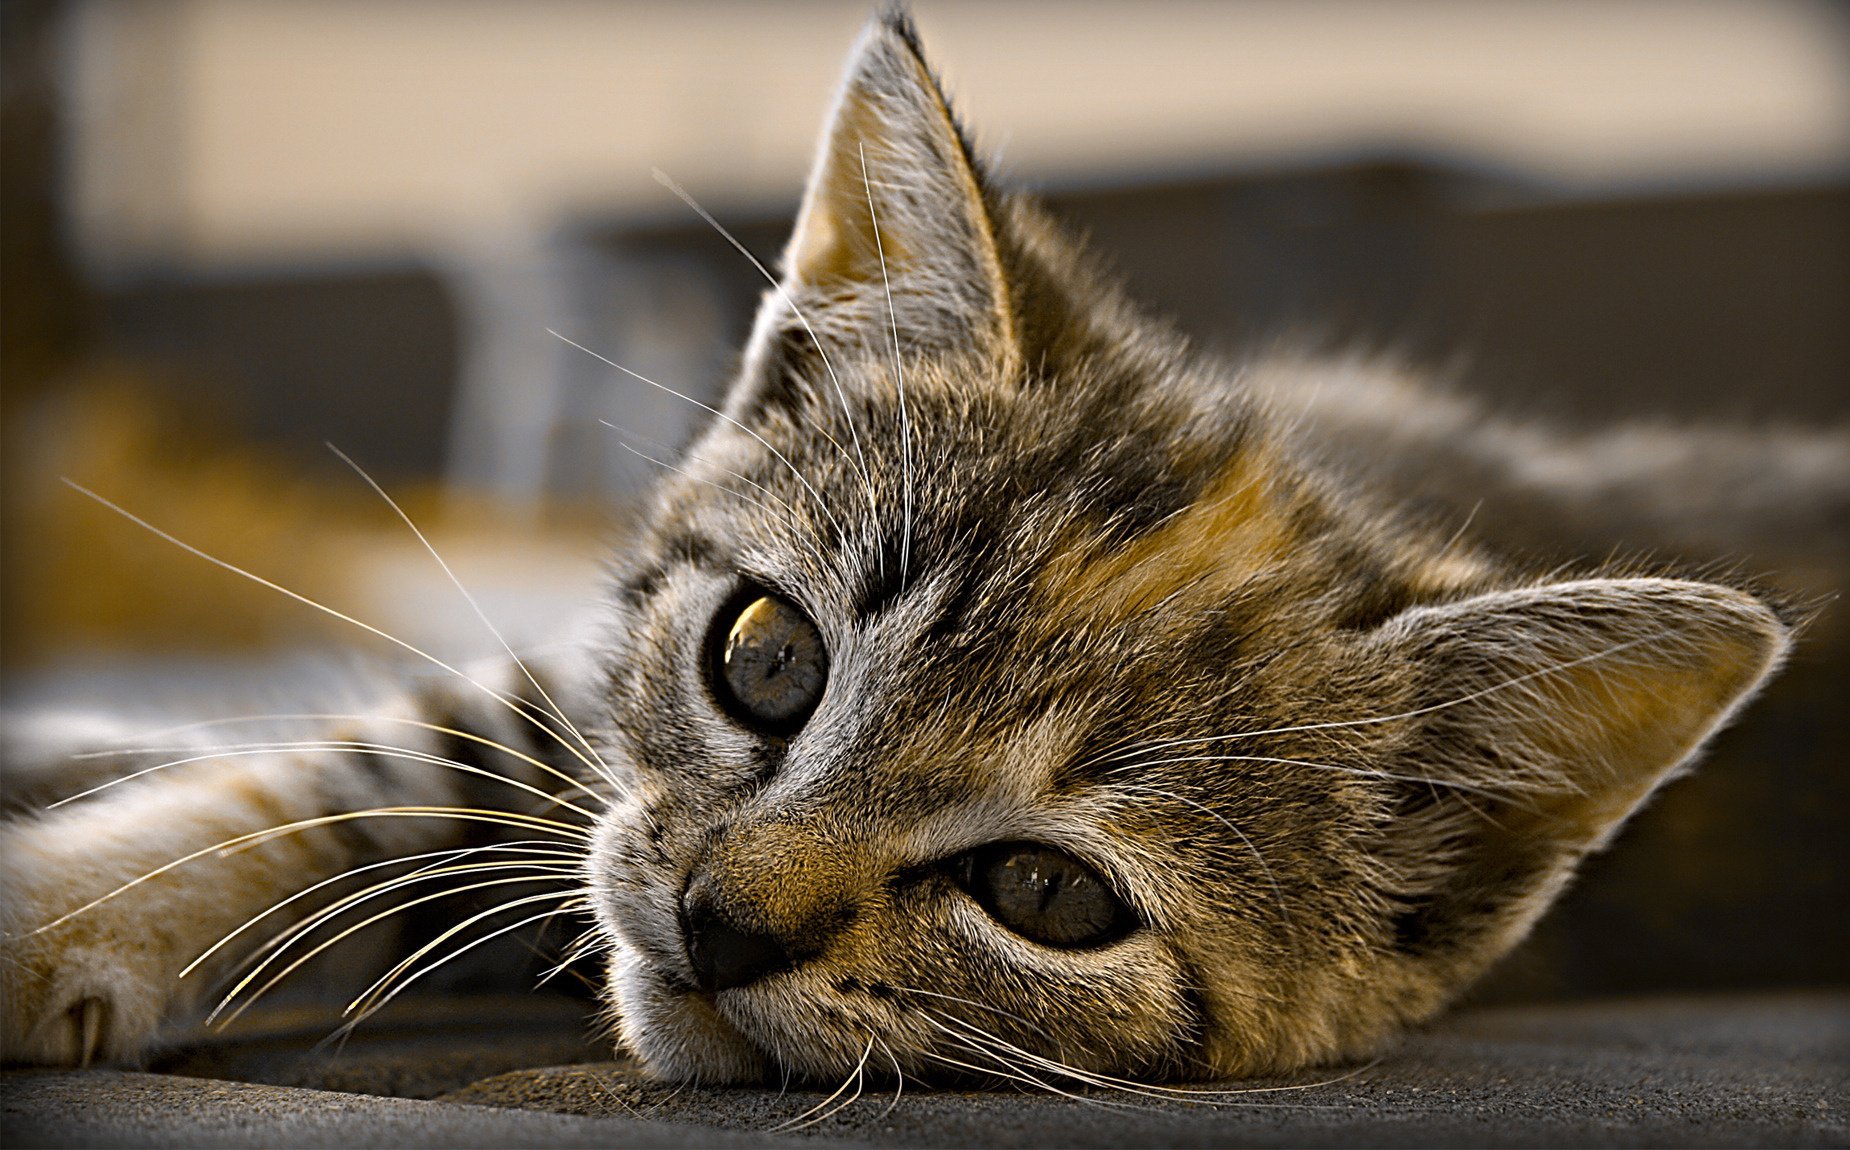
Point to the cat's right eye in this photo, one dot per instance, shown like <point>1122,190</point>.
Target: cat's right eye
<point>1044,895</point>
<point>768,664</point>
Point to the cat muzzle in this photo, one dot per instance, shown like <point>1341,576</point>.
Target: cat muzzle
<point>724,954</point>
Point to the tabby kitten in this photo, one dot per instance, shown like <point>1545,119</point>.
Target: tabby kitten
<point>995,686</point>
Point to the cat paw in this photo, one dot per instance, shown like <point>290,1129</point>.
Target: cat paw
<point>89,1010</point>
<point>92,988</point>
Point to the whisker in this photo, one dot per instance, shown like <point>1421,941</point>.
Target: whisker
<point>286,938</point>
<point>269,953</point>
<point>588,943</point>
<point>860,1083</point>
<point>349,747</point>
<point>905,424</point>
<point>226,565</point>
<point>351,930</point>
<point>682,471</point>
<point>462,950</point>
<point>1459,534</point>
<point>841,396</point>
<point>1472,696</point>
<point>1278,892</point>
<point>533,846</point>
<point>1363,772</point>
<point>964,1002</point>
<point>821,503</point>
<point>602,768</point>
<point>1201,1095</point>
<point>270,950</point>
<point>322,716</point>
<point>1003,1069</point>
<point>363,1000</point>
<point>978,1037</point>
<point>792,519</point>
<point>253,838</point>
<point>798,1122</point>
<point>899,1079</point>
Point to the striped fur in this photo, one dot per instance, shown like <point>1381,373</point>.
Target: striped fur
<point>1079,588</point>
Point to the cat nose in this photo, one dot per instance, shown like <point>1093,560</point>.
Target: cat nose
<point>725,954</point>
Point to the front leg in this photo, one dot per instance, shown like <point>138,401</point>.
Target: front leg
<point>86,980</point>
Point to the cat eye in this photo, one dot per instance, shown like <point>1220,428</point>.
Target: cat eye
<point>1044,895</point>
<point>768,663</point>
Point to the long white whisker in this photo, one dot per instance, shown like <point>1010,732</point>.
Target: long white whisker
<point>253,838</point>
<point>1278,892</point>
<point>991,1072</point>
<point>791,512</point>
<point>1000,1047</point>
<point>589,942</point>
<point>1003,1068</point>
<point>363,1000</point>
<point>841,396</point>
<point>226,565</point>
<point>1507,684</point>
<point>899,1078</point>
<point>345,747</point>
<point>1203,1095</point>
<point>795,536</point>
<point>535,847</point>
<point>272,950</point>
<point>964,1002</point>
<point>682,471</point>
<point>821,503</point>
<point>1361,772</point>
<point>603,768</point>
<point>576,904</point>
<point>798,1122</point>
<point>905,424</point>
<point>1462,528</point>
<point>349,931</point>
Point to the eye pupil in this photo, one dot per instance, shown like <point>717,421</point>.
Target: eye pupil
<point>771,666</point>
<point>1050,889</point>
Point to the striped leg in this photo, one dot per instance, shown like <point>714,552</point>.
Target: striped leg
<point>109,898</point>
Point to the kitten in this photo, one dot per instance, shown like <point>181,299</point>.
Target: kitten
<point>995,684</point>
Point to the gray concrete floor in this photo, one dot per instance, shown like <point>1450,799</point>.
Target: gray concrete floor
<point>1744,1070</point>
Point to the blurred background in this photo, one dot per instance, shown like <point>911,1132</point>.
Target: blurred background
<point>235,231</point>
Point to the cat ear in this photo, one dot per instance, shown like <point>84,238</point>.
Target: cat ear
<point>1546,716</point>
<point>894,239</point>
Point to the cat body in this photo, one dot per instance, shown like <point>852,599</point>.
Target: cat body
<point>995,686</point>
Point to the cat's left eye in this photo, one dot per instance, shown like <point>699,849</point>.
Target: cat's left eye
<point>768,663</point>
<point>1043,894</point>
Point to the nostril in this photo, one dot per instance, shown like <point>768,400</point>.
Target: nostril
<point>724,955</point>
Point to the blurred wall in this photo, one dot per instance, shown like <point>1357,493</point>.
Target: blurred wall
<point>213,131</point>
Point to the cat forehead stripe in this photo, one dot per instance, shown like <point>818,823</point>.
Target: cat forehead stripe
<point>1233,532</point>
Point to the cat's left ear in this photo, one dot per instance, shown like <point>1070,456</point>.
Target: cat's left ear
<point>894,240</point>
<point>1544,717</point>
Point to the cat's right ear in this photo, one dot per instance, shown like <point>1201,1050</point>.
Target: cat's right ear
<point>894,243</point>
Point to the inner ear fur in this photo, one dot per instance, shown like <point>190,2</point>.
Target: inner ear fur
<point>1543,717</point>
<point>894,203</point>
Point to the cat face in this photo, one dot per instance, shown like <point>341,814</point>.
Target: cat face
<point>999,693</point>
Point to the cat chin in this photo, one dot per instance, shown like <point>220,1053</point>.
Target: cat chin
<point>678,1035</point>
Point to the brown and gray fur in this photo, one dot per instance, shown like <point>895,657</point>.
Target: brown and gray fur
<point>1080,588</point>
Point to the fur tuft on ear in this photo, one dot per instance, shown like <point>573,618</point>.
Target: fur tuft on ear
<point>1545,716</point>
<point>894,240</point>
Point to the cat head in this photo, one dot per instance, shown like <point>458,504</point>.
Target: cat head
<point>999,691</point>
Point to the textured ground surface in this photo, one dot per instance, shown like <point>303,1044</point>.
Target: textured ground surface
<point>1771,1070</point>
